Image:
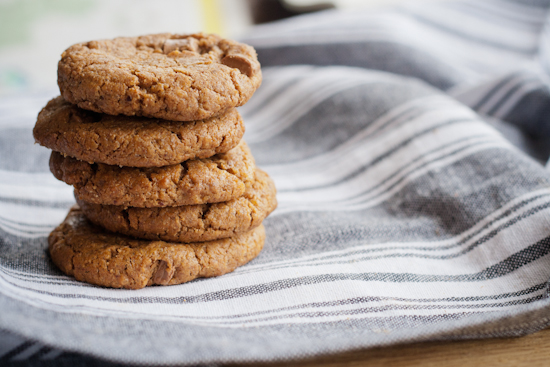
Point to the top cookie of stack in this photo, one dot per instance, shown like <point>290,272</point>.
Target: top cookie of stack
<point>147,132</point>
<point>171,77</point>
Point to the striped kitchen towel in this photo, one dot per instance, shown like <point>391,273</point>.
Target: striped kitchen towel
<point>408,148</point>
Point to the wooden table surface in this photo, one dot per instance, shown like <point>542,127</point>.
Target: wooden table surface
<point>532,350</point>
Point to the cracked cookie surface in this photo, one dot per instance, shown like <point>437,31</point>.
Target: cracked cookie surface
<point>198,181</point>
<point>133,141</point>
<point>190,223</point>
<point>168,76</point>
<point>91,254</point>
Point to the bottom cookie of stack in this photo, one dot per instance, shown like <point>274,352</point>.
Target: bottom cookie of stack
<point>94,255</point>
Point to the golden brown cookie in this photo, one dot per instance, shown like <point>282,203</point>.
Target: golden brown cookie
<point>168,76</point>
<point>198,181</point>
<point>190,223</point>
<point>133,141</point>
<point>93,255</point>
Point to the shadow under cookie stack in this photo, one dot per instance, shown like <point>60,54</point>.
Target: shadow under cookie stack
<point>147,132</point>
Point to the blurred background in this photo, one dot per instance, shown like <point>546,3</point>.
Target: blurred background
<point>34,33</point>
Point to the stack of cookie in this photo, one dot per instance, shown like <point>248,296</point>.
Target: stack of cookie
<point>147,132</point>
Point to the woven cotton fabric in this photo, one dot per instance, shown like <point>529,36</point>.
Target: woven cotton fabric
<point>408,147</point>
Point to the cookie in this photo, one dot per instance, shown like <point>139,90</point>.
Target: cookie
<point>133,141</point>
<point>93,255</point>
<point>167,76</point>
<point>190,223</point>
<point>197,181</point>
